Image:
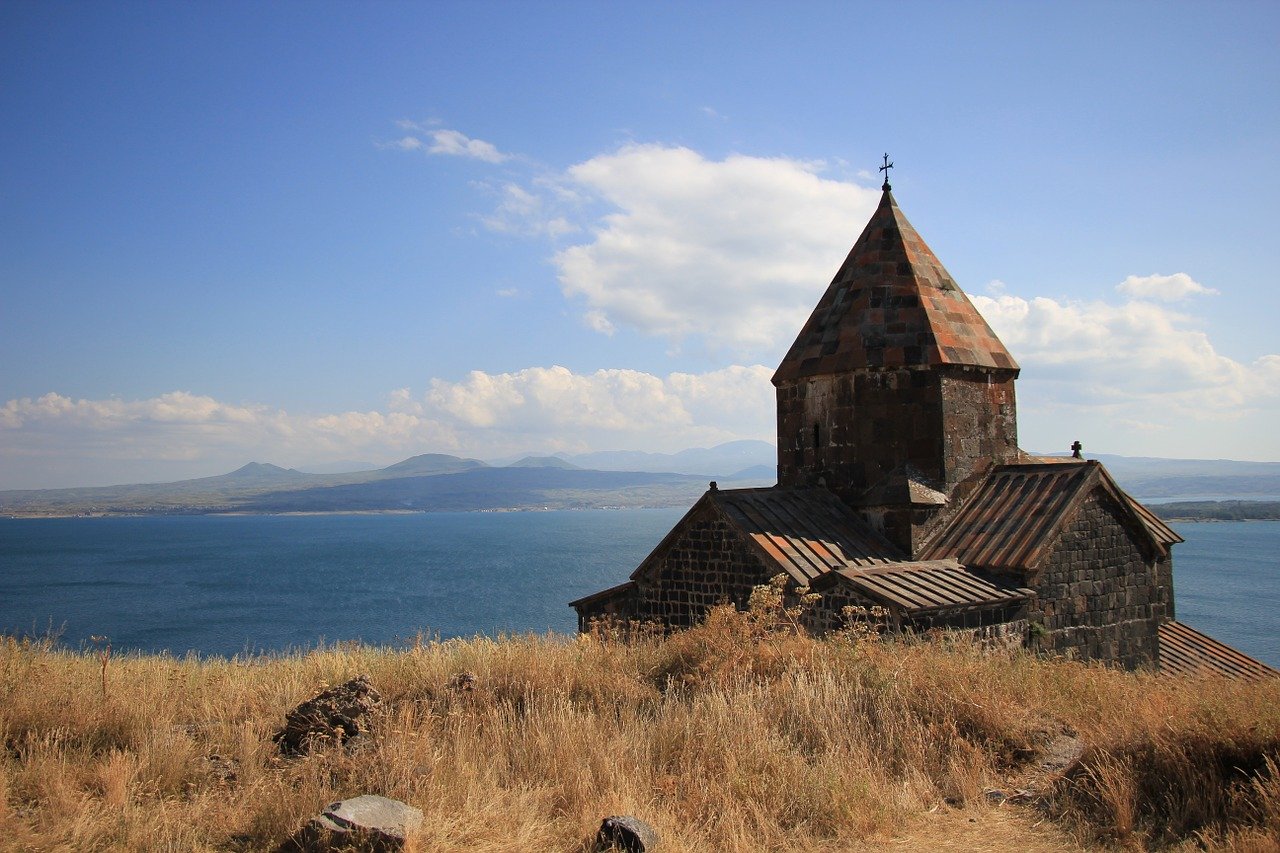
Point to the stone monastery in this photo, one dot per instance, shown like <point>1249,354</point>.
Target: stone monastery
<point>901,485</point>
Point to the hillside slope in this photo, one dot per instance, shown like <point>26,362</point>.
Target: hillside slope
<point>737,736</point>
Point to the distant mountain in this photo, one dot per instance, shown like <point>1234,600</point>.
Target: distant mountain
<point>757,472</point>
<point>429,482</point>
<point>719,461</point>
<point>430,463</point>
<point>262,472</point>
<point>490,488</point>
<point>437,481</point>
<point>542,462</point>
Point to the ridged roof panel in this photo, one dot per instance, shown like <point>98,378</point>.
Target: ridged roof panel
<point>1017,511</point>
<point>1187,653</point>
<point>808,532</point>
<point>892,304</point>
<point>931,586</point>
<point>1011,517</point>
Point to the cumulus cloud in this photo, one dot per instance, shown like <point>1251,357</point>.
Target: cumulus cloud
<point>1127,371</point>
<point>1164,288</point>
<point>184,426</point>
<point>729,253</point>
<point>561,409</point>
<point>733,252</point>
<point>539,409</point>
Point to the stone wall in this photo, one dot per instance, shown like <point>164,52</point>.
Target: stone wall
<point>851,430</point>
<point>995,627</point>
<point>708,563</point>
<point>1099,595</point>
<point>979,421</point>
<point>828,613</point>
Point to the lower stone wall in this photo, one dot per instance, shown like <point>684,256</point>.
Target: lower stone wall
<point>998,636</point>
<point>832,611</point>
<point>1099,596</point>
<point>707,564</point>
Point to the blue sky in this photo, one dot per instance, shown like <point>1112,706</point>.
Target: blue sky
<point>304,233</point>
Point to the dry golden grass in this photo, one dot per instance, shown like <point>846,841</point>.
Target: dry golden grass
<point>734,736</point>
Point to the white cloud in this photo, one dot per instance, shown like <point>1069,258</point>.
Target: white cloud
<point>523,212</point>
<point>55,440</point>
<point>1129,371</point>
<point>453,143</point>
<point>1164,288</point>
<point>734,252</point>
<point>609,408</point>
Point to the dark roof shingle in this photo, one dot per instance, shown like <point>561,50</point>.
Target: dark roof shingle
<point>892,304</point>
<point>807,532</point>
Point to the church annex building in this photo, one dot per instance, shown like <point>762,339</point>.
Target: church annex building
<point>901,485</point>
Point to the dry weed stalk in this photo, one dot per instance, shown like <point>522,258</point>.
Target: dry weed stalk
<point>103,646</point>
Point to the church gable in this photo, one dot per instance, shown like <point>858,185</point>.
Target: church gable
<point>1101,594</point>
<point>705,560</point>
<point>734,540</point>
<point>1012,521</point>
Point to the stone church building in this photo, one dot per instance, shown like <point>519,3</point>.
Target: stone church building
<point>901,486</point>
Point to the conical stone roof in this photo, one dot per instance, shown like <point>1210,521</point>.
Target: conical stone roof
<point>892,305</point>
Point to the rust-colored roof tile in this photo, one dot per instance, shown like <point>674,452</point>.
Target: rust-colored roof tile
<point>807,532</point>
<point>892,293</point>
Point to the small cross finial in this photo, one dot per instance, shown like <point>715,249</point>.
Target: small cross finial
<point>1076,447</point>
<point>888,164</point>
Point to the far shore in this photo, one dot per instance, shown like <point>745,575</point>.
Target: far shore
<point>30,515</point>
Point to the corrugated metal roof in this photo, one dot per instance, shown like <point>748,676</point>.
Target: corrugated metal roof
<point>892,304</point>
<point>1010,518</point>
<point>1187,653</point>
<point>929,586</point>
<point>808,532</point>
<point>619,591</point>
<point>1017,511</point>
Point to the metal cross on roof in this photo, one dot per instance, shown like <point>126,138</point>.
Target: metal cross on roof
<point>885,168</point>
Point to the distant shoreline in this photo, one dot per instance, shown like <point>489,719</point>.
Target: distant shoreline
<point>1186,512</point>
<point>242,513</point>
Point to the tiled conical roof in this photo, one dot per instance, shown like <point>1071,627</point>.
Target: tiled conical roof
<point>892,304</point>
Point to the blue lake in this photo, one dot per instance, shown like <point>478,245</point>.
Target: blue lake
<point>228,584</point>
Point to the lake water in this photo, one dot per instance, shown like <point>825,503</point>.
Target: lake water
<point>223,585</point>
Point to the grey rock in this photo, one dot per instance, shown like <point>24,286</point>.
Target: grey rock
<point>334,715</point>
<point>367,823</point>
<point>625,833</point>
